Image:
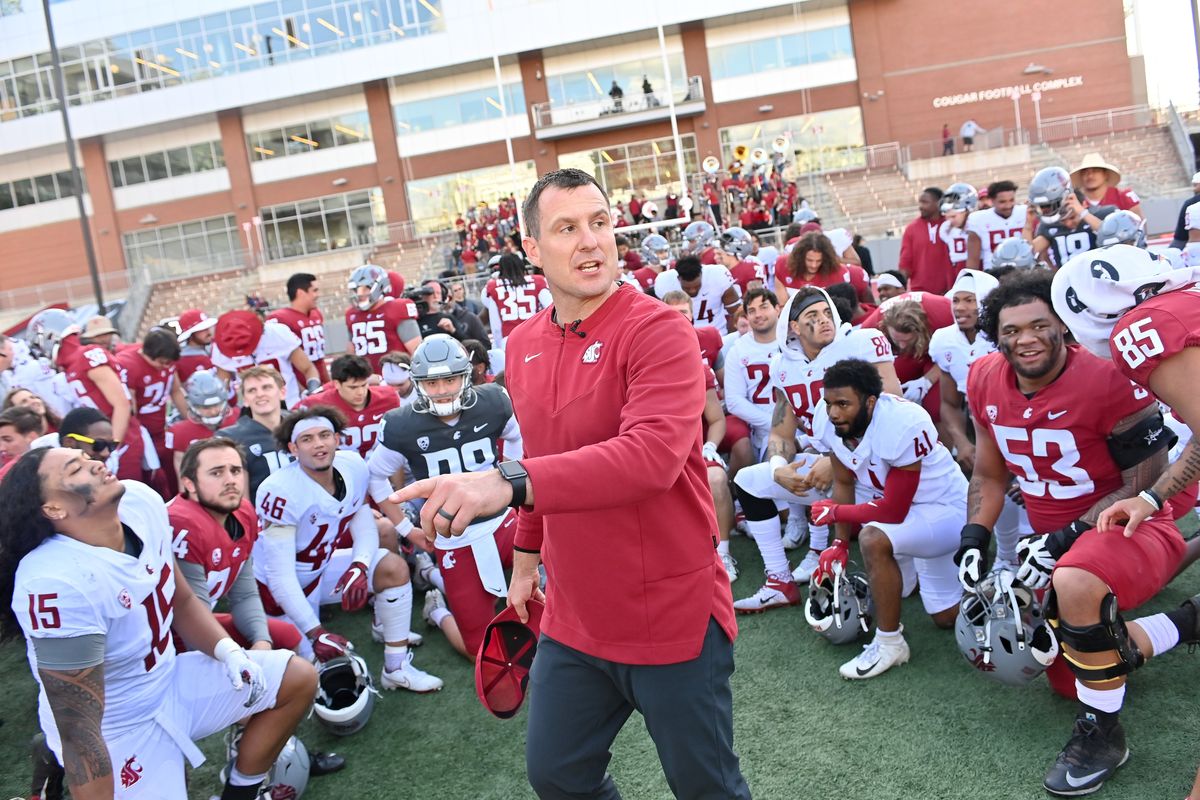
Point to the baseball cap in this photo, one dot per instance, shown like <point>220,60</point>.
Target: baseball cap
<point>396,280</point>
<point>97,326</point>
<point>505,658</point>
<point>192,322</point>
<point>238,333</point>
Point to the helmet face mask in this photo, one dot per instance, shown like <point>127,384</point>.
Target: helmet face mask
<point>372,278</point>
<point>437,358</point>
<point>1048,192</point>
<point>840,608</point>
<point>345,694</point>
<point>206,393</point>
<point>1000,631</point>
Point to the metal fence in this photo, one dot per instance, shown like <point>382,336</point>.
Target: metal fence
<point>549,114</point>
<point>1097,123</point>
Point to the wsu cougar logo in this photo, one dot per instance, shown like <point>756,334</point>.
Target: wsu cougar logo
<point>977,659</point>
<point>131,773</point>
<point>592,354</point>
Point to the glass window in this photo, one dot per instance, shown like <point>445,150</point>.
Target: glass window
<point>271,144</point>
<point>44,187</point>
<point>156,166</point>
<point>115,168</point>
<point>824,141</point>
<point>321,132</point>
<point>134,170</point>
<point>66,186</point>
<point>202,158</point>
<point>178,162</point>
<point>23,190</point>
<point>6,196</point>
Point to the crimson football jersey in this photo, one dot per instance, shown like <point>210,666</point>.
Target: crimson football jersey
<point>1156,330</point>
<point>191,360</point>
<point>508,306</point>
<point>199,539</point>
<point>362,427</point>
<point>77,360</point>
<point>373,333</point>
<point>711,342</point>
<point>745,272</point>
<point>183,433</point>
<point>1056,442</point>
<point>150,387</point>
<point>310,328</point>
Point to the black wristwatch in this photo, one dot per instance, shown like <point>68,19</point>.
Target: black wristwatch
<point>518,478</point>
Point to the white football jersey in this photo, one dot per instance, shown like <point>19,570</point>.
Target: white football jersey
<point>992,229</point>
<point>899,434</point>
<point>274,349</point>
<point>289,497</point>
<point>65,588</point>
<point>748,393</point>
<point>39,376</point>
<point>1191,217</point>
<point>708,309</point>
<point>956,241</point>
<point>950,350</point>
<point>802,381</point>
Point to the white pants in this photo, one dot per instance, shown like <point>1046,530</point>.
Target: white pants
<point>147,761</point>
<point>759,480</point>
<point>925,543</point>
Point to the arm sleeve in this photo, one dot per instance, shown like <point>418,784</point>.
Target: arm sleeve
<point>493,312</point>
<point>76,652</point>
<point>529,530</point>
<point>899,489</point>
<point>737,400</point>
<point>279,564</point>
<point>365,535</point>
<point>383,463</point>
<point>246,606</point>
<point>196,578</point>
<point>514,446</point>
<point>408,330</point>
<point>664,399</point>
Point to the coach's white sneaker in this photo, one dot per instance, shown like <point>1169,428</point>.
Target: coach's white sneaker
<point>433,601</point>
<point>883,653</point>
<point>797,530</point>
<point>414,639</point>
<point>410,678</point>
<point>804,570</point>
<point>730,567</point>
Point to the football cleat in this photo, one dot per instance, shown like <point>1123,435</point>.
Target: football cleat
<point>433,601</point>
<point>796,532</point>
<point>876,658</point>
<point>414,639</point>
<point>775,593</point>
<point>410,678</point>
<point>421,576</point>
<point>1192,639</point>
<point>730,564</point>
<point>804,570</point>
<point>1090,757</point>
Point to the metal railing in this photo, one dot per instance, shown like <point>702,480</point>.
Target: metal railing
<point>1182,141</point>
<point>990,139</point>
<point>1096,123</point>
<point>549,114</point>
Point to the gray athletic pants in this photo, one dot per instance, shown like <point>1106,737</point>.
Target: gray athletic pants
<point>578,703</point>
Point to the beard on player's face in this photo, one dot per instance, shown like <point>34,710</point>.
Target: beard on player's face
<point>1050,341</point>
<point>222,499</point>
<point>857,426</point>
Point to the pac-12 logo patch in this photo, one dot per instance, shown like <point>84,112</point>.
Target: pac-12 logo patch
<point>124,599</point>
<point>423,442</point>
<point>992,412</point>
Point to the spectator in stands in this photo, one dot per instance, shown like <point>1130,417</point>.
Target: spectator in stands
<point>648,93</point>
<point>23,398</point>
<point>1180,239</point>
<point>924,257</point>
<point>968,131</point>
<point>891,283</point>
<point>617,96</point>
<point>1098,179</point>
<point>99,330</point>
<point>632,260</point>
<point>947,140</point>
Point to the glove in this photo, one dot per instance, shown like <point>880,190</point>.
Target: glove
<point>328,645</point>
<point>833,558</point>
<point>353,586</point>
<point>823,512</point>
<point>1037,562</point>
<point>241,669</point>
<point>973,542</point>
<point>312,386</point>
<point>916,389</point>
<point>712,456</point>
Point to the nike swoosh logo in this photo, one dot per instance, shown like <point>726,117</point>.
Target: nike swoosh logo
<point>1056,415</point>
<point>1080,781</point>
<point>531,358</point>
<point>862,672</point>
<point>478,428</point>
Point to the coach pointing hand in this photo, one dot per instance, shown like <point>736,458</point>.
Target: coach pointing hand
<point>614,500</point>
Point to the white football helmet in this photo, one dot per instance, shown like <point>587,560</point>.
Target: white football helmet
<point>840,608</point>
<point>288,776</point>
<point>1122,227</point>
<point>345,694</point>
<point>1000,630</point>
<point>656,250</point>
<point>1014,252</point>
<point>960,197</point>
<point>1048,191</point>
<point>47,329</point>
<point>737,242</point>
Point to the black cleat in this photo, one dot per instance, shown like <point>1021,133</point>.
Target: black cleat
<point>1189,635</point>
<point>324,763</point>
<point>1091,756</point>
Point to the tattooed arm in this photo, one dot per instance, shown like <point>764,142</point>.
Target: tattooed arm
<point>989,480</point>
<point>77,700</point>
<point>782,441</point>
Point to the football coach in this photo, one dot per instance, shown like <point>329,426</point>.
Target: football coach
<point>613,498</point>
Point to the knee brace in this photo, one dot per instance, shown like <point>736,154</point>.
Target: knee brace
<point>1110,634</point>
<point>755,508</point>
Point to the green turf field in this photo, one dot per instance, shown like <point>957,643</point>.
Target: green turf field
<point>930,729</point>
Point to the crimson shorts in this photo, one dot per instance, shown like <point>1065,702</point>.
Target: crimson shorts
<point>735,430</point>
<point>284,635</point>
<point>472,605</point>
<point>1135,569</point>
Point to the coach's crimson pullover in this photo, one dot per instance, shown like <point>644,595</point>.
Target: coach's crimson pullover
<point>624,520</point>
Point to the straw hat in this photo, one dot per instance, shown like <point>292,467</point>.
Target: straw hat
<point>1096,161</point>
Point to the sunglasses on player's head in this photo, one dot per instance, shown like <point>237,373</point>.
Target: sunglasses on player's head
<point>98,445</point>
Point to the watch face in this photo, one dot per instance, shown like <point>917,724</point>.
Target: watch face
<point>512,470</point>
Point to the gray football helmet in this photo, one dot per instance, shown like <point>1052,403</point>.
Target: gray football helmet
<point>840,608</point>
<point>1014,252</point>
<point>697,236</point>
<point>960,197</point>
<point>47,329</point>
<point>1001,632</point>
<point>1047,191</point>
<point>442,356</point>
<point>374,278</point>
<point>737,242</point>
<point>803,215</point>
<point>206,398</point>
<point>653,248</point>
<point>345,694</point>
<point>1122,227</point>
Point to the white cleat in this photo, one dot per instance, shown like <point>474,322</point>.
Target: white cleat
<point>410,678</point>
<point>875,659</point>
<point>414,639</point>
<point>797,530</point>
<point>433,601</point>
<point>730,567</point>
<point>804,570</point>
<point>775,593</point>
<point>422,580</point>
